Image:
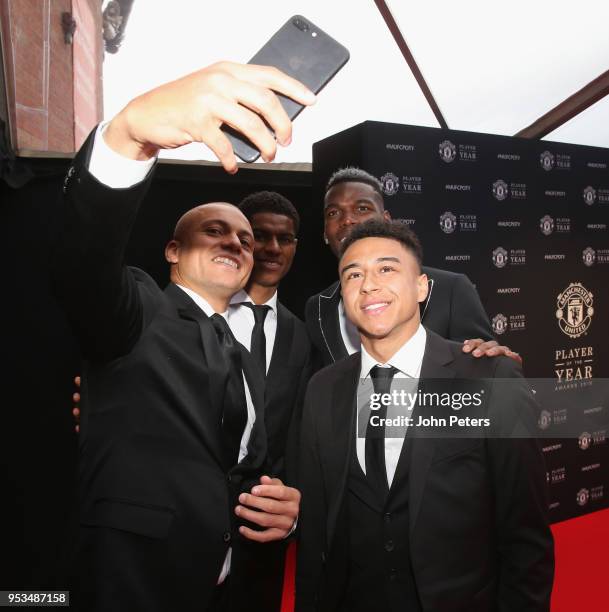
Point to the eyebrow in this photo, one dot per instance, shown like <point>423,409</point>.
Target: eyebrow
<point>225,225</point>
<point>362,200</point>
<point>355,264</point>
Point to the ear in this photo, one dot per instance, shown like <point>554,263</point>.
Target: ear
<point>386,215</point>
<point>172,251</point>
<point>422,287</point>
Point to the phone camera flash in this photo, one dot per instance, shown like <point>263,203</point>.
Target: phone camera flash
<point>313,34</point>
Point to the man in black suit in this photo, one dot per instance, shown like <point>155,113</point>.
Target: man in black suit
<point>421,522</point>
<point>452,308</point>
<point>278,341</point>
<point>173,435</point>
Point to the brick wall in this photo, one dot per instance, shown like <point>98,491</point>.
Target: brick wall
<point>54,89</point>
<point>88,58</point>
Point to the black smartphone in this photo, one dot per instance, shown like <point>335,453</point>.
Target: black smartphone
<point>303,51</point>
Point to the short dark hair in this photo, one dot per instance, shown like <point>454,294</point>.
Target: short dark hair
<point>355,175</point>
<point>271,202</point>
<point>394,230</point>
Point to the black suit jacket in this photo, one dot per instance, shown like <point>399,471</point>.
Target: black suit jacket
<point>156,495</point>
<point>257,571</point>
<point>286,383</point>
<point>452,309</point>
<point>479,537</point>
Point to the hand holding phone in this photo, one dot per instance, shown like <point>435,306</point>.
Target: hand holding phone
<point>193,108</point>
<point>303,51</point>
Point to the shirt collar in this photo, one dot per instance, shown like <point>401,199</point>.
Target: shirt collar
<point>242,296</point>
<point>202,303</point>
<point>407,359</point>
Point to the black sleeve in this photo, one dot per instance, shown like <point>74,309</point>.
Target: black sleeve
<point>293,441</point>
<point>97,291</point>
<point>311,518</point>
<point>524,540</point>
<point>468,318</point>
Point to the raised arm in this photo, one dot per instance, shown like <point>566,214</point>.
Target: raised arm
<point>103,299</point>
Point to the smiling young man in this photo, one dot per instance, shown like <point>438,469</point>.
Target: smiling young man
<point>173,463</point>
<point>452,307</point>
<point>279,342</point>
<point>415,522</point>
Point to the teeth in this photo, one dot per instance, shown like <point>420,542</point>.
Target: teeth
<point>376,306</point>
<point>227,261</point>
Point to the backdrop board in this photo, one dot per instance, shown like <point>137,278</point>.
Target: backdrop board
<point>527,221</point>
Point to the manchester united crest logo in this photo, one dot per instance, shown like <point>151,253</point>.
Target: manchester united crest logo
<point>574,310</point>
<point>546,225</point>
<point>390,183</point>
<point>500,190</point>
<point>546,159</point>
<point>500,257</point>
<point>447,151</point>
<point>589,195</point>
<point>448,222</point>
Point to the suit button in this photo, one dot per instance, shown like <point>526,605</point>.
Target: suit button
<point>323,557</point>
<point>226,537</point>
<point>389,546</point>
<point>228,478</point>
<point>393,574</point>
<point>387,517</point>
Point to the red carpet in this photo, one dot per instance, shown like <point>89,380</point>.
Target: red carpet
<point>582,566</point>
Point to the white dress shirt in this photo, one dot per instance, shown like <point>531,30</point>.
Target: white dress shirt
<point>113,169</point>
<point>407,360</point>
<point>241,321</point>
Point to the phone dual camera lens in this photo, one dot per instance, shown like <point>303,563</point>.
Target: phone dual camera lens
<point>301,24</point>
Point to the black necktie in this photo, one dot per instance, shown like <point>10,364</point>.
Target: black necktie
<point>258,342</point>
<point>234,414</point>
<point>376,470</point>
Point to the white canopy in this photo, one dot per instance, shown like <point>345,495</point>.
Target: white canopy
<point>491,66</point>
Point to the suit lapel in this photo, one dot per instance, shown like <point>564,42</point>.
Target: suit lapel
<point>213,374</point>
<point>425,304</point>
<point>257,445</point>
<point>329,324</point>
<point>340,434</point>
<point>435,361</point>
<point>283,343</point>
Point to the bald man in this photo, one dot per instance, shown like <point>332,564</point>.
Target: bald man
<point>172,440</point>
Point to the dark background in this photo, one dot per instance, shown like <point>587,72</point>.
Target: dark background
<point>38,447</point>
<point>403,156</point>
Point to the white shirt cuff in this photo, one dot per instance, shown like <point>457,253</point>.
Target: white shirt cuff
<point>112,169</point>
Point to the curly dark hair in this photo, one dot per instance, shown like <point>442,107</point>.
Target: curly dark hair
<point>394,230</point>
<point>355,175</point>
<point>272,202</point>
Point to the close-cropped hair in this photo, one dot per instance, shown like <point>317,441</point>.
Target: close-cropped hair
<point>271,202</point>
<point>355,175</point>
<point>394,230</point>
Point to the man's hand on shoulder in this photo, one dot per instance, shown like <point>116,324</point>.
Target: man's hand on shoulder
<point>272,505</point>
<point>193,108</point>
<point>489,348</point>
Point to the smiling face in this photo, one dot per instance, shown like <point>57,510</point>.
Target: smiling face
<point>382,286</point>
<point>347,204</point>
<point>274,247</point>
<point>211,252</point>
